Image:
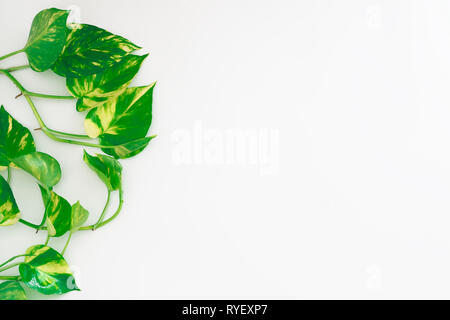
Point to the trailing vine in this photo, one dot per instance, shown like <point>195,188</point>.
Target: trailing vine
<point>98,68</point>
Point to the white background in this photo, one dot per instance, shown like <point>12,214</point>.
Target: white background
<point>343,194</point>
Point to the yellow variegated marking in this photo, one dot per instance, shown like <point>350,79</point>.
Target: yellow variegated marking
<point>9,211</point>
<point>91,129</point>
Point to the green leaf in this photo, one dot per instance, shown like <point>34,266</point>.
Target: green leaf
<point>108,169</point>
<point>90,50</point>
<point>96,89</point>
<point>47,37</point>
<point>58,212</point>
<point>12,290</point>
<point>9,211</point>
<point>46,271</point>
<point>79,216</point>
<point>126,150</point>
<point>41,166</point>
<point>122,120</point>
<point>15,139</point>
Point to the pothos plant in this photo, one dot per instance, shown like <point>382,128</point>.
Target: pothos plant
<point>98,67</point>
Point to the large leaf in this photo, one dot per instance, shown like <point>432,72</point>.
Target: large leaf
<point>96,89</point>
<point>9,211</point>
<point>90,50</point>
<point>58,212</point>
<point>47,37</point>
<point>15,139</point>
<point>46,271</point>
<point>41,166</point>
<point>79,217</point>
<point>108,169</point>
<point>12,290</point>
<point>123,119</point>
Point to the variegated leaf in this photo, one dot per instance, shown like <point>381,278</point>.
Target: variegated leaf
<point>9,211</point>
<point>15,139</point>
<point>47,37</point>
<point>108,169</point>
<point>12,290</point>
<point>46,271</point>
<point>90,50</point>
<point>79,217</point>
<point>122,120</point>
<point>41,166</point>
<point>96,89</point>
<point>58,212</point>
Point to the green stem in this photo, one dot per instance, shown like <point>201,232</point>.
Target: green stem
<point>12,278</point>
<point>48,239</point>
<point>10,266</point>
<point>29,224</point>
<point>48,96</point>
<point>72,135</point>
<point>95,226</point>
<point>13,258</point>
<point>12,69</point>
<point>9,175</point>
<point>67,243</point>
<point>10,54</point>
<point>102,216</point>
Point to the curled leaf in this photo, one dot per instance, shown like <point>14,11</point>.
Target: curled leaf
<point>58,213</point>
<point>41,166</point>
<point>89,50</point>
<point>46,271</point>
<point>12,290</point>
<point>108,169</point>
<point>9,211</point>
<point>47,38</point>
<point>15,139</point>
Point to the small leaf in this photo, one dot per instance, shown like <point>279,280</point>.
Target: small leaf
<point>108,169</point>
<point>79,216</point>
<point>15,139</point>
<point>41,166</point>
<point>96,89</point>
<point>90,50</point>
<point>47,38</point>
<point>58,212</point>
<point>9,211</point>
<point>122,120</point>
<point>46,271</point>
<point>12,290</point>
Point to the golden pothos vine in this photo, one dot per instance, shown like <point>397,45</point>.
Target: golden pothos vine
<point>98,68</point>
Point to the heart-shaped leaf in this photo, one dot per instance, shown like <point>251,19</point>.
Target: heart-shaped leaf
<point>15,139</point>
<point>108,169</point>
<point>58,212</point>
<point>46,271</point>
<point>79,217</point>
<point>41,166</point>
<point>90,50</point>
<point>47,37</point>
<point>123,119</point>
<point>96,89</point>
<point>12,290</point>
<point>9,211</point>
